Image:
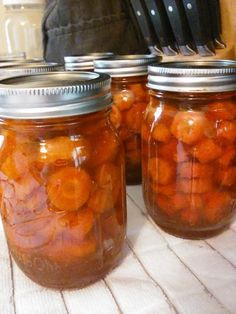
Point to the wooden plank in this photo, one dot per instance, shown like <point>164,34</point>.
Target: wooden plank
<point>134,290</point>
<point>6,280</point>
<point>225,244</point>
<point>183,288</point>
<point>93,299</point>
<point>31,298</point>
<point>218,275</point>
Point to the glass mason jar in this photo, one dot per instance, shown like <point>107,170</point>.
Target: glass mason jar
<point>188,141</point>
<point>26,67</point>
<point>62,177</point>
<point>130,99</point>
<point>84,62</point>
<point>21,28</point>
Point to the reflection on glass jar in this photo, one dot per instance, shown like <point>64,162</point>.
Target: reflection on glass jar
<point>130,99</point>
<point>189,156</point>
<point>62,184</point>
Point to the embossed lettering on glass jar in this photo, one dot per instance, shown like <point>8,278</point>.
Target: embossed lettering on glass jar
<point>130,98</point>
<point>62,177</point>
<point>188,141</point>
<point>84,62</point>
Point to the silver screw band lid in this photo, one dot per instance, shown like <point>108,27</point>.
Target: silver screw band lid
<point>84,62</point>
<point>125,65</point>
<point>10,69</point>
<point>54,94</point>
<point>193,76</point>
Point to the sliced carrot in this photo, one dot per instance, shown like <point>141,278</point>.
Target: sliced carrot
<point>85,248</point>
<point>76,224</point>
<point>134,116</point>
<point>123,99</point>
<point>115,116</point>
<point>192,170</point>
<point>207,150</point>
<point>82,150</point>
<point>140,92</point>
<point>197,185</point>
<point>66,250</point>
<point>69,188</point>
<point>189,126</point>
<point>179,201</point>
<point>161,171</point>
<point>164,203</point>
<point>112,227</point>
<point>108,176</point>
<point>161,133</point>
<point>56,148</point>
<point>196,201</point>
<point>190,216</point>
<point>167,190</point>
<point>227,157</point>
<point>226,176</point>
<point>224,110</point>
<point>125,133</point>
<point>226,131</point>
<point>105,147</point>
<point>218,206</point>
<point>101,200</point>
<point>15,165</point>
<point>169,150</point>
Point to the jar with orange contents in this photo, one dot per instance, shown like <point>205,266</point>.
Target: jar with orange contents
<point>61,177</point>
<point>130,98</point>
<point>189,152</point>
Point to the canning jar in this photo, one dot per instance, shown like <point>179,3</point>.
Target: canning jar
<point>130,98</point>
<point>62,177</point>
<point>84,62</point>
<point>16,68</point>
<point>189,152</point>
<point>21,28</point>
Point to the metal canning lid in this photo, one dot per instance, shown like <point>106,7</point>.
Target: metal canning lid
<point>193,76</point>
<point>84,62</point>
<point>125,65</point>
<point>9,69</point>
<point>54,94</point>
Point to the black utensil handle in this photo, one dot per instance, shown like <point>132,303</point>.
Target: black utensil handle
<point>178,21</point>
<point>198,17</point>
<point>160,22</point>
<point>144,24</point>
<point>215,15</point>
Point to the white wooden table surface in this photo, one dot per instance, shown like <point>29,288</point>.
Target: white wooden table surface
<point>159,274</point>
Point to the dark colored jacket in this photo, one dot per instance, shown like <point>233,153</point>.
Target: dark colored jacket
<point>84,26</point>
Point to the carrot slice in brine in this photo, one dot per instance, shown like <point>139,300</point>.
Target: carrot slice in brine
<point>189,126</point>
<point>161,171</point>
<point>218,205</point>
<point>69,188</point>
<point>161,133</point>
<point>124,99</point>
<point>206,151</point>
<point>224,110</point>
<point>115,117</point>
